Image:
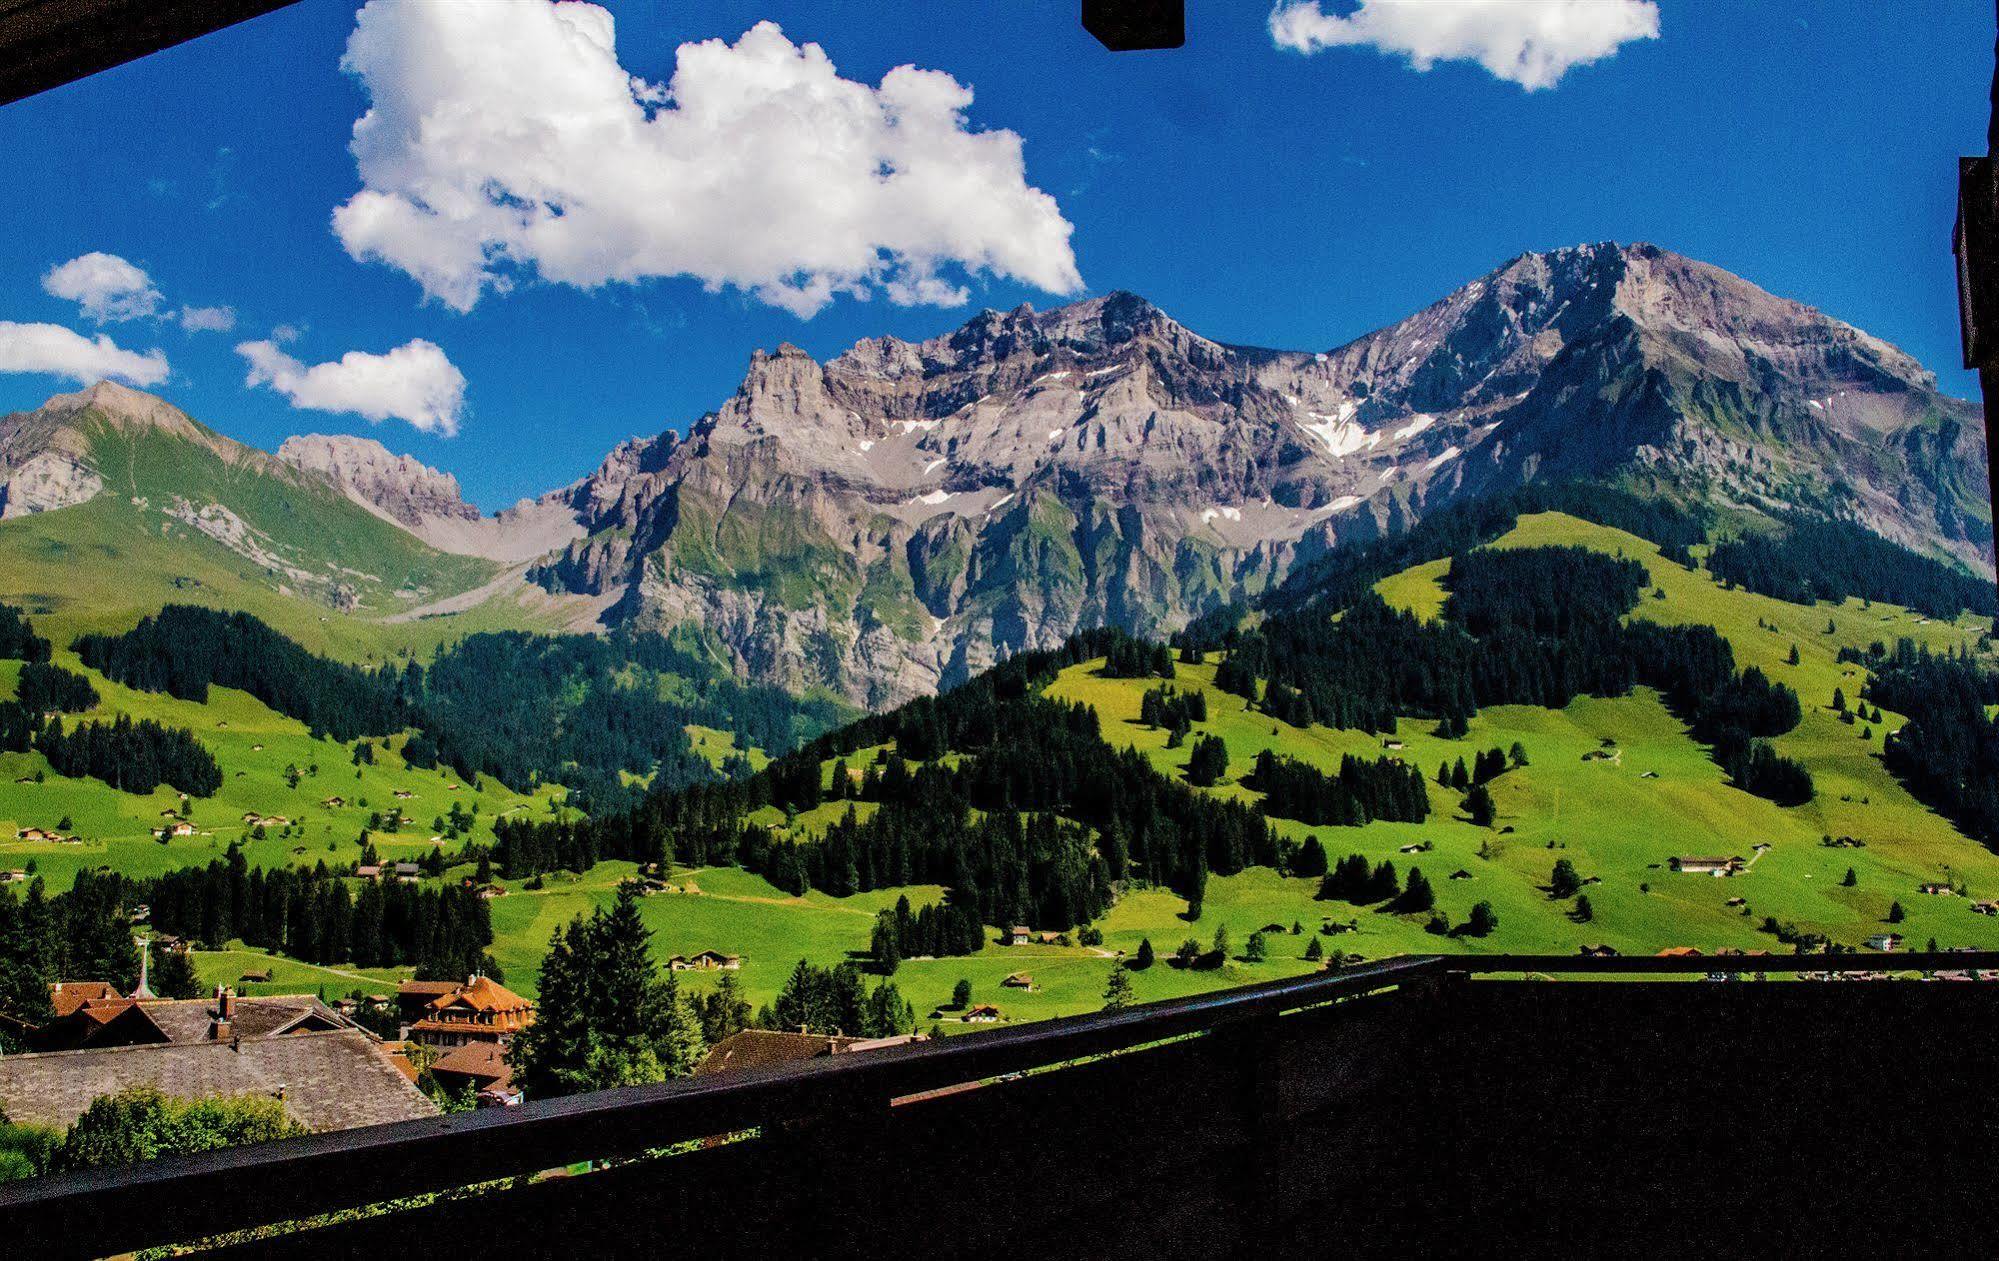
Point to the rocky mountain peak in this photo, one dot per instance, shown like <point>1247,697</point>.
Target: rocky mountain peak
<point>399,486</point>
<point>124,406</point>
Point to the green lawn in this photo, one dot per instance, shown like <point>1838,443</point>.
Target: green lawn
<point>289,976</point>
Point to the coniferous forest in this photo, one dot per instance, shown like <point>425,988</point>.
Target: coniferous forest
<point>1813,559</point>
<point>134,757</point>
<point>521,708</point>
<point>1947,754</point>
<point>1530,626</point>
<point>313,914</point>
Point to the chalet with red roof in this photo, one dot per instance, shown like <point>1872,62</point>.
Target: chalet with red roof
<point>481,1010</point>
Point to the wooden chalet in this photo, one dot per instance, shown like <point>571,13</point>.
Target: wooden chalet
<point>705,961</point>
<point>329,1073</point>
<point>480,1010</point>
<point>1698,866</point>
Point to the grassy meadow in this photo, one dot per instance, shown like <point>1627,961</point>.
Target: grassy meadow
<point>1614,785</point>
<point>255,746</point>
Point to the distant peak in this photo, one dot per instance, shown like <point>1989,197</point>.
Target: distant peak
<point>109,396</point>
<point>124,405</point>
<point>400,485</point>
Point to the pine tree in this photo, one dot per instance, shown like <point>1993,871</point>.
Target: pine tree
<point>1417,896</point>
<point>961,995</point>
<point>1255,950</point>
<point>1851,878</point>
<point>1564,882</point>
<point>1481,921</point>
<point>723,1011</point>
<point>606,1016</point>
<point>172,975</point>
<point>1143,959</point>
<point>1584,911</point>
<point>1382,883</point>
<point>1208,763</point>
<point>1314,952</point>
<point>1895,913</point>
<point>1478,805</point>
<point>1118,991</point>
<point>1310,860</point>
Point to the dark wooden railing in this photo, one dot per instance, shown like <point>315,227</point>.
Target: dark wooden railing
<point>1260,1117</point>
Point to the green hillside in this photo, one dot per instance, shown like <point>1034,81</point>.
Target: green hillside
<point>1614,784</point>
<point>192,518</point>
<point>255,747</point>
<point>1622,819</point>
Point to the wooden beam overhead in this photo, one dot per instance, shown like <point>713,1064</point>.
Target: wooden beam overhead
<point>47,43</point>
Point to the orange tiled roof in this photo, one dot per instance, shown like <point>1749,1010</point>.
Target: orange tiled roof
<point>67,996</point>
<point>485,995</point>
<point>485,1061</point>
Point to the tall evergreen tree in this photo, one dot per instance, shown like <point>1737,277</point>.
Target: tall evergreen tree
<point>1118,990</point>
<point>607,1015</point>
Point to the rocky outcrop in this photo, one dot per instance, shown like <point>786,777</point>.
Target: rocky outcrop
<point>404,488</point>
<point>47,480</point>
<point>428,503</point>
<point>908,511</point>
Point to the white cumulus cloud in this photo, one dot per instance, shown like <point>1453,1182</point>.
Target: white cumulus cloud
<point>1529,42</point>
<point>63,352</point>
<point>414,382</point>
<point>505,137</point>
<point>206,319</point>
<point>107,287</point>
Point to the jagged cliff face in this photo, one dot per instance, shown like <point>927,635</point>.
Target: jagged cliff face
<point>905,513</point>
<point>401,487</point>
<point>428,503</point>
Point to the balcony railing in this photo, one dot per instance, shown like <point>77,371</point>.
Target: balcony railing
<point>1440,1104</point>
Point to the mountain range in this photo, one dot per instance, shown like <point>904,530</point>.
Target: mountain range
<point>902,515</point>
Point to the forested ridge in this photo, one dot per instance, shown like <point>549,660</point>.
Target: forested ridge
<point>1530,626</point>
<point>577,709</point>
<point>1947,754</point>
<point>1036,819</point>
<point>1813,559</point>
<point>134,757</point>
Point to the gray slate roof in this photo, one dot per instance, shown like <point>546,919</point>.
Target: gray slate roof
<point>336,1080</point>
<point>188,1019</point>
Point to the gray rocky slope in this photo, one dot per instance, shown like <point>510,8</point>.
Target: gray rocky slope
<point>906,512</point>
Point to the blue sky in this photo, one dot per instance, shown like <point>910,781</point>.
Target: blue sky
<point>1258,194</point>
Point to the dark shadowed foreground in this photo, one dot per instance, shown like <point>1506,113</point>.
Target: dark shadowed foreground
<point>1405,1105</point>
